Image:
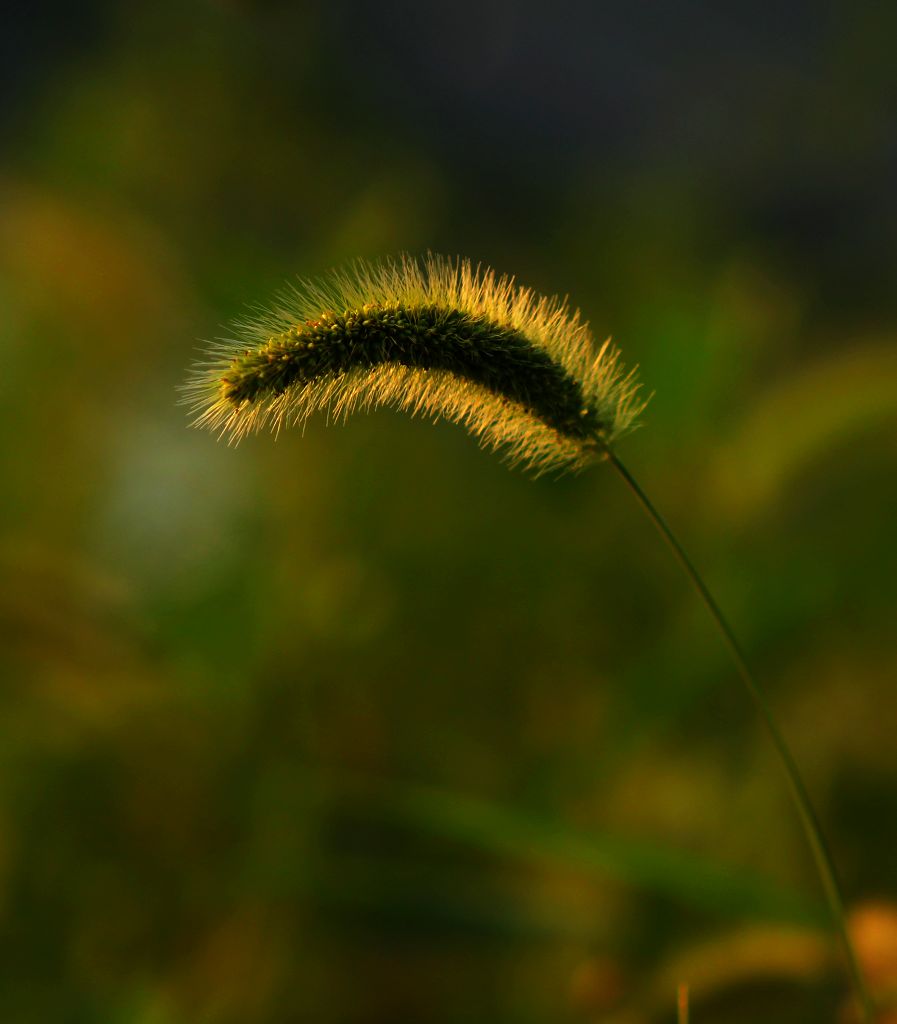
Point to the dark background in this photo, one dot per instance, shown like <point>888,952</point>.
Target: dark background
<point>360,726</point>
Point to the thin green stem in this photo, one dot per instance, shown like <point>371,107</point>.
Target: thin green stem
<point>824,863</point>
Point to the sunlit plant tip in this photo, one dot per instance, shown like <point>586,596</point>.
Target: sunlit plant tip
<point>435,336</point>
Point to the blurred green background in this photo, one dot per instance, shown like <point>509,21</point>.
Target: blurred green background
<point>360,726</point>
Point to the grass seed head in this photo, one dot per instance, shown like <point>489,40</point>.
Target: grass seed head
<point>435,336</point>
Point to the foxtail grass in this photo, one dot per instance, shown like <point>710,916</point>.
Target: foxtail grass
<point>435,337</point>
<point>443,338</point>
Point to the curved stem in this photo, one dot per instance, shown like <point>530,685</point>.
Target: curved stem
<point>824,863</point>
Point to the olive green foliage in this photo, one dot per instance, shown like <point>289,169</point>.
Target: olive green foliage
<point>357,727</point>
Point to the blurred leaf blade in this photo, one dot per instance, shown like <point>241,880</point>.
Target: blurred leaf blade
<point>510,834</point>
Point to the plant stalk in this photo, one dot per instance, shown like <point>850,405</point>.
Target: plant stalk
<point>812,829</point>
<point>682,1004</point>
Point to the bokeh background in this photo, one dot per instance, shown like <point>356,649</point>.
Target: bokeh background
<point>360,726</point>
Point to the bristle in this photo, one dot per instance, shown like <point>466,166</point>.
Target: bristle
<point>436,337</point>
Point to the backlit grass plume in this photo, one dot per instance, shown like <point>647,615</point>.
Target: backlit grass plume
<point>438,337</point>
<point>441,337</point>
